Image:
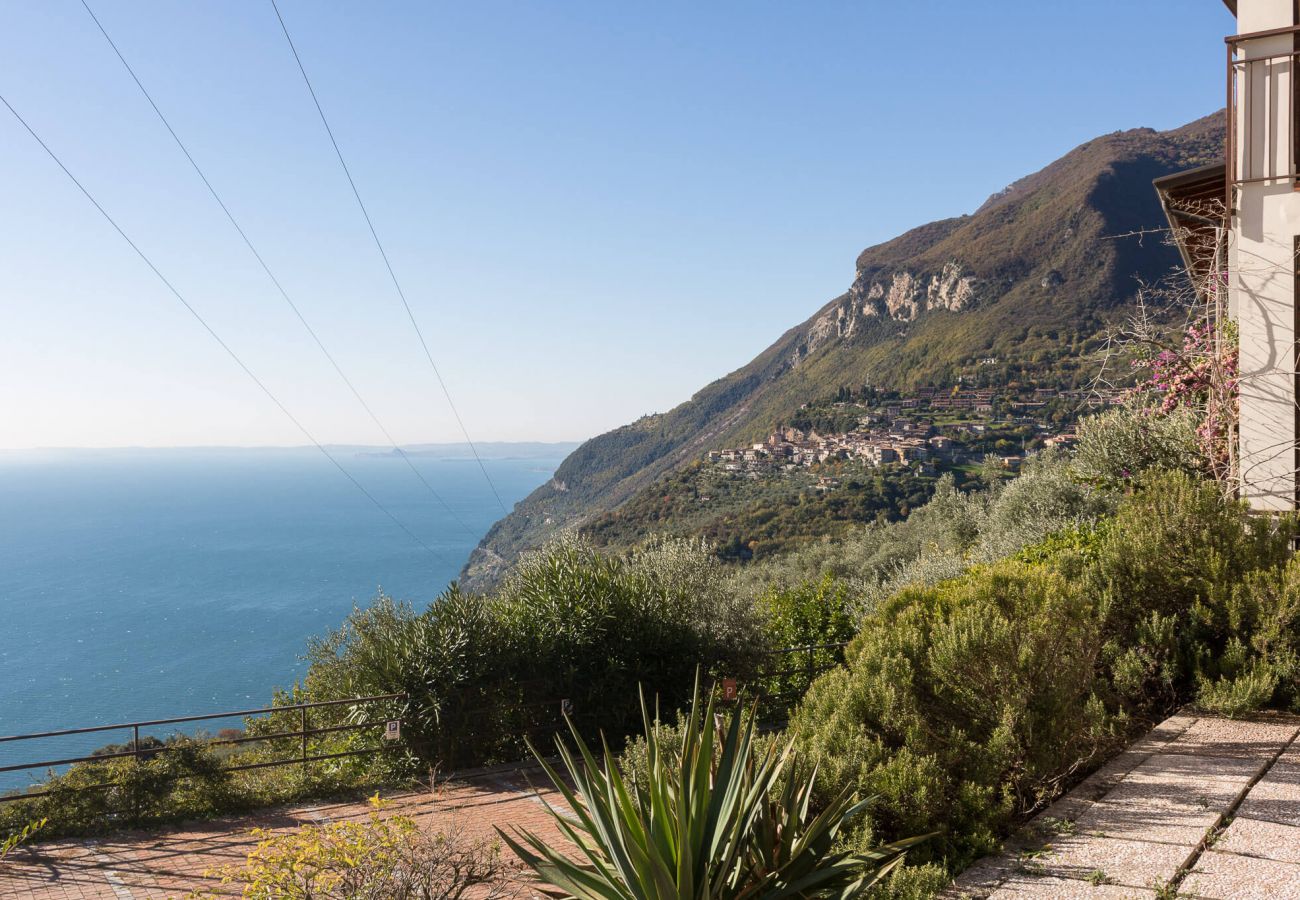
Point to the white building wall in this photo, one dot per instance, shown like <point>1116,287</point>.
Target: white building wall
<point>1262,259</point>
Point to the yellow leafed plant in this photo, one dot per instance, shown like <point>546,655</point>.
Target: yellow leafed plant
<point>380,857</point>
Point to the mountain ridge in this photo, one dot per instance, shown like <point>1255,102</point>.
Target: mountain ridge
<point>1031,278</point>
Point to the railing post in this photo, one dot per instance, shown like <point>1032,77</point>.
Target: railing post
<point>135,780</point>
<point>811,652</point>
<point>303,710</point>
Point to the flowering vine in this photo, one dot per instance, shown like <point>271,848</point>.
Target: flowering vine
<point>1199,373</point>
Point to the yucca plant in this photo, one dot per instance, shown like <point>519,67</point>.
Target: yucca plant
<point>722,819</point>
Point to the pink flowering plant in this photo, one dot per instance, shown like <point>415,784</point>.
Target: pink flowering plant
<point>1198,374</point>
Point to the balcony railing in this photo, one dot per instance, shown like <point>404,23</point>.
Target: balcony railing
<point>1262,98</point>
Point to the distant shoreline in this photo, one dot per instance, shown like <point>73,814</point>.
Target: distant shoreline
<point>488,450</point>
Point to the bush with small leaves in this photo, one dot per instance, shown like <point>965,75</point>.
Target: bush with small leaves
<point>378,858</point>
<point>963,705</point>
<point>1120,445</point>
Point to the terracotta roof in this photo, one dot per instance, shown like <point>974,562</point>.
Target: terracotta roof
<point>1232,6</point>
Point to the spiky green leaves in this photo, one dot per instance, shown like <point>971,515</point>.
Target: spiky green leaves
<point>721,819</point>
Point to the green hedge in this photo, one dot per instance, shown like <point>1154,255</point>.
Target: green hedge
<point>967,704</point>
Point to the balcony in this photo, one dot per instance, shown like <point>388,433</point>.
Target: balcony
<point>1261,108</point>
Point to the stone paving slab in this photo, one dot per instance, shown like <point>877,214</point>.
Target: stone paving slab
<point>1266,840</point>
<point>1277,796</point>
<point>1166,824</point>
<point>1113,861</point>
<point>1171,798</point>
<point>175,862</point>
<point>1213,736</point>
<point>1227,876</point>
<point>1023,887</point>
<point>1146,818</point>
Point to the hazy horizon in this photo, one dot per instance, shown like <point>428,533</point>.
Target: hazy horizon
<point>442,445</point>
<point>594,210</point>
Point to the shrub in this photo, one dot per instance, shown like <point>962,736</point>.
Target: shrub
<point>690,571</point>
<point>185,781</point>
<point>567,624</point>
<point>913,883</point>
<point>1194,593</point>
<point>1117,446</point>
<point>1251,657</point>
<point>815,612</point>
<point>941,540</point>
<point>669,738</point>
<point>818,615</point>
<point>443,659</point>
<point>963,705</point>
<point>186,778</point>
<point>378,858</point>
<point>709,822</point>
<point>973,701</point>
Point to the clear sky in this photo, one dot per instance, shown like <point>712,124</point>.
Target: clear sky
<point>595,208</point>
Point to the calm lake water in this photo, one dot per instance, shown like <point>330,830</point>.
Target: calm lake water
<point>152,583</point>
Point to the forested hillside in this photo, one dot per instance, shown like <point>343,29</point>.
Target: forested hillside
<point>1032,278</point>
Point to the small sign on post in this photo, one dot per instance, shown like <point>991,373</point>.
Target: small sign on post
<point>730,690</point>
<point>566,708</point>
<point>393,730</point>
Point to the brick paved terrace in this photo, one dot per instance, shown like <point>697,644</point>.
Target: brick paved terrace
<point>175,862</point>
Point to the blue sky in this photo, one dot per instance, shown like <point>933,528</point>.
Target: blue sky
<point>595,208</point>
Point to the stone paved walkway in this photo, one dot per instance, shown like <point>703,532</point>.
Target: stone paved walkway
<point>1201,807</point>
<point>175,862</point>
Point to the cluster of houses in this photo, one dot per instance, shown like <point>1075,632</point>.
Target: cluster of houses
<point>903,441</point>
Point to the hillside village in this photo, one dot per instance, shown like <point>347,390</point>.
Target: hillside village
<point>925,430</point>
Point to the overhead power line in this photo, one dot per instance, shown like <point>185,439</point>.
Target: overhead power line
<point>383,253</point>
<point>213,334</point>
<point>271,275</point>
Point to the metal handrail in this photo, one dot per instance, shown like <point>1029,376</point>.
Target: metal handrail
<point>140,753</point>
<point>175,720</point>
<point>1234,39</point>
<point>811,669</point>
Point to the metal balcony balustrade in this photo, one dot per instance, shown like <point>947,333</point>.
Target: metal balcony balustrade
<point>1262,100</point>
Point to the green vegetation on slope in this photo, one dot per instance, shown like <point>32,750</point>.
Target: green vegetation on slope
<point>746,519</point>
<point>1051,269</point>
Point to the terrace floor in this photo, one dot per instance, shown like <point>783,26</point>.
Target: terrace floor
<point>1206,807</point>
<point>174,863</point>
<point>1201,807</point>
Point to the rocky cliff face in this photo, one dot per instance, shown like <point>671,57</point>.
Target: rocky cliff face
<point>900,296</point>
<point>1031,278</point>
<point>905,296</point>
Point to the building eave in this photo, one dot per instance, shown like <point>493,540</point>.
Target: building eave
<point>1194,203</point>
